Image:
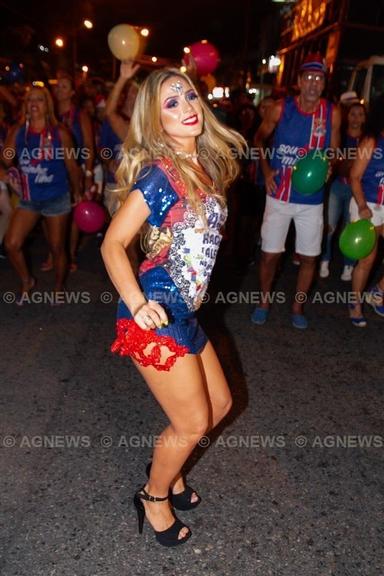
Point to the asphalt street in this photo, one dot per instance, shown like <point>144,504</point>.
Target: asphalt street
<point>292,484</point>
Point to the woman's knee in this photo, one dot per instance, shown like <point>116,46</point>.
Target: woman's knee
<point>57,249</point>
<point>367,263</point>
<point>194,427</point>
<point>12,243</point>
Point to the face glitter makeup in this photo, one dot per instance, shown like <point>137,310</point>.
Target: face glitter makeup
<point>177,87</point>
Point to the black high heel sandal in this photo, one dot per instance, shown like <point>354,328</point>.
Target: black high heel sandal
<point>182,500</point>
<point>168,537</point>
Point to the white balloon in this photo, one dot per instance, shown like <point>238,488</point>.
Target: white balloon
<point>124,42</point>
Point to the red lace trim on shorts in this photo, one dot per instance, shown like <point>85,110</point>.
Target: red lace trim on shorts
<point>132,340</point>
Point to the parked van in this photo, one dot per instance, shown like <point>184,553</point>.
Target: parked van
<point>367,79</point>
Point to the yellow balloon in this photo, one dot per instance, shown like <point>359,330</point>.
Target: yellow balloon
<point>124,42</point>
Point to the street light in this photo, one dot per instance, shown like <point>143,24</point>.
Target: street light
<point>59,42</point>
<point>86,23</point>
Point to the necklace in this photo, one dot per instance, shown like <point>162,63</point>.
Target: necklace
<point>187,155</point>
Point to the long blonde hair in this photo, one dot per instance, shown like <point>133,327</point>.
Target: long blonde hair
<point>218,147</point>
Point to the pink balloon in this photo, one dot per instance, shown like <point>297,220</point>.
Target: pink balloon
<point>205,56</point>
<point>89,216</point>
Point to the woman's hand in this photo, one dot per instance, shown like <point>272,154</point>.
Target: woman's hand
<point>128,69</point>
<point>365,212</point>
<point>150,315</point>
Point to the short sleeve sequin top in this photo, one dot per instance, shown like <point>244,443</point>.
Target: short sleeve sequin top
<point>182,248</point>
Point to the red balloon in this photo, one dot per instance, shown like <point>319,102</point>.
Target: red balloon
<point>89,216</point>
<point>205,56</point>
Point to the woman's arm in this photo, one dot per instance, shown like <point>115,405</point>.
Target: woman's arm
<point>70,163</point>
<point>121,232</point>
<point>89,160</point>
<point>119,125</point>
<point>364,154</point>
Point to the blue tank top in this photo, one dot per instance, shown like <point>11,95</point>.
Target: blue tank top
<point>71,120</point>
<point>295,134</point>
<point>41,161</point>
<point>373,177</point>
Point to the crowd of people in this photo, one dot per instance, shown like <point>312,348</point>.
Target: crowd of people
<point>92,119</point>
<point>163,161</point>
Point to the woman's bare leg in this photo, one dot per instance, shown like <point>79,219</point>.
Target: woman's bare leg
<point>22,222</point>
<point>219,399</point>
<point>56,230</point>
<point>181,393</point>
<point>360,278</point>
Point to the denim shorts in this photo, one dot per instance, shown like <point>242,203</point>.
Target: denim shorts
<point>55,207</point>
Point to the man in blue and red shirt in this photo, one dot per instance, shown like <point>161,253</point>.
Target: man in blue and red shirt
<point>302,123</point>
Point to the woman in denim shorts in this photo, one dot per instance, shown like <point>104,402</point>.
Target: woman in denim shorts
<point>39,145</point>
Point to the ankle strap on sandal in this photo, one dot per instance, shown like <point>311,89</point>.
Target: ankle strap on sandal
<point>143,494</point>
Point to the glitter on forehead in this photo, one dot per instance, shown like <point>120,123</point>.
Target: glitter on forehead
<point>177,87</point>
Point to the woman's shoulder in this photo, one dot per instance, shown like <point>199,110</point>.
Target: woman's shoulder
<point>157,189</point>
<point>150,174</point>
<point>160,173</point>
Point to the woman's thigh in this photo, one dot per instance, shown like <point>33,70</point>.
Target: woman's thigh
<point>21,224</point>
<point>181,392</point>
<point>57,229</point>
<point>216,383</point>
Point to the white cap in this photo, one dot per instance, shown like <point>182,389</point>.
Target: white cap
<point>349,97</point>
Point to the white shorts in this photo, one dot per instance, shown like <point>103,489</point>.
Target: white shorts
<point>308,220</point>
<point>377,212</point>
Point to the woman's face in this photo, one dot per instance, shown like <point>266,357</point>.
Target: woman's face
<point>181,113</point>
<point>356,117</point>
<point>36,105</point>
<point>63,89</point>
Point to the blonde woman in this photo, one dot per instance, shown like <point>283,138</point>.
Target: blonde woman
<point>40,145</point>
<point>178,160</point>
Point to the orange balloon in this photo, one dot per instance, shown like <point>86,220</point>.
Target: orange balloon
<point>124,42</point>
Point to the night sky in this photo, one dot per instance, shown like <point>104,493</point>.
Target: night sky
<point>238,29</point>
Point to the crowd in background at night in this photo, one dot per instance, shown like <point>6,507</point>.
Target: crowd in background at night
<point>96,114</point>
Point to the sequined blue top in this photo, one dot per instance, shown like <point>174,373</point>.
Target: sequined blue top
<point>182,246</point>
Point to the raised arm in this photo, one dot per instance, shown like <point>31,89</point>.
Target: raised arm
<point>119,125</point>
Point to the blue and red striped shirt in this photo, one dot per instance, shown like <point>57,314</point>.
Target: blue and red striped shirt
<point>296,133</point>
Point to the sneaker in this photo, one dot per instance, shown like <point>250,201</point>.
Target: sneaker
<point>357,321</point>
<point>299,321</point>
<point>324,269</point>
<point>259,316</point>
<point>374,297</point>
<point>346,275</point>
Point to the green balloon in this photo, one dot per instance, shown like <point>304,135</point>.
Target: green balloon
<point>358,239</point>
<point>310,173</point>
